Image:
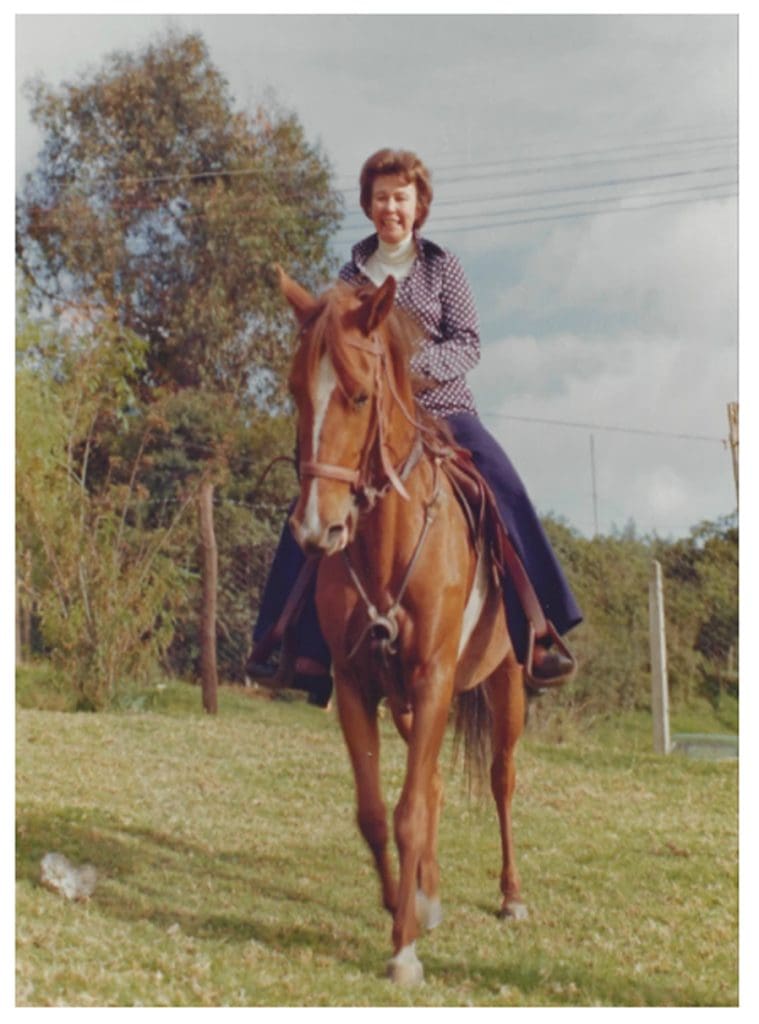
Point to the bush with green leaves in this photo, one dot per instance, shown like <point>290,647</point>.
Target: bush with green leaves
<point>610,576</point>
<point>103,591</point>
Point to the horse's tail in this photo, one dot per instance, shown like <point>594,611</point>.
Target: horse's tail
<point>473,727</point>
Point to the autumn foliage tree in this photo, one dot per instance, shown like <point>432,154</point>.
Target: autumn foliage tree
<point>155,197</point>
<point>159,207</point>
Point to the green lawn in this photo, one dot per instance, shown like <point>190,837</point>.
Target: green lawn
<point>231,871</point>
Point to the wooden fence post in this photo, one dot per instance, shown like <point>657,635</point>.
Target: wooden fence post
<point>209,573</point>
<point>24,608</point>
<point>19,625</point>
<point>659,683</point>
<point>732,419</point>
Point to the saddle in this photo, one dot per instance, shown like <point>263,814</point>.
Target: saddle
<point>489,533</point>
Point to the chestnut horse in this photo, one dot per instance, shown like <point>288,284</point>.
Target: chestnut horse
<point>411,610</point>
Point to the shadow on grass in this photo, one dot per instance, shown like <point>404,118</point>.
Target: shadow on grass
<point>146,875</point>
<point>534,976</point>
<point>238,897</point>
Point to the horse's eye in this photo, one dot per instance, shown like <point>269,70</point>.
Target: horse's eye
<point>360,399</point>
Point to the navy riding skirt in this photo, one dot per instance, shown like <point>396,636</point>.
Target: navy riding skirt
<point>520,519</point>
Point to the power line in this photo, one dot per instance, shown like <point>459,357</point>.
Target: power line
<point>440,223</point>
<point>583,186</point>
<point>577,202</point>
<point>493,216</point>
<point>528,193</point>
<point>606,427</point>
<point>604,183</point>
<point>542,158</point>
<point>584,213</point>
<point>586,186</point>
<point>518,222</point>
<point>539,165</point>
<point>547,169</point>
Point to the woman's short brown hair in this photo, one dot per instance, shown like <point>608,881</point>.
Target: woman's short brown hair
<point>404,163</point>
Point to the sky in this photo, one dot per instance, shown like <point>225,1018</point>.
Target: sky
<point>585,170</point>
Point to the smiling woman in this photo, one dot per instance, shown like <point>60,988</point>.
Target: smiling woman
<point>393,209</point>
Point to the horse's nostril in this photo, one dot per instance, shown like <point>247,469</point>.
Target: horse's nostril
<point>335,532</point>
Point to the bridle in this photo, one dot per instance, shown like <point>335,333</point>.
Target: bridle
<point>358,479</point>
<point>382,628</point>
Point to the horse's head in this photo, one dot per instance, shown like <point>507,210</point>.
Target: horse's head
<point>336,381</point>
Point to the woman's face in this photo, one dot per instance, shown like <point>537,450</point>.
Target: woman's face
<point>393,207</point>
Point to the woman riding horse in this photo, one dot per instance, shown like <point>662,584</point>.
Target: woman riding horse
<point>396,194</point>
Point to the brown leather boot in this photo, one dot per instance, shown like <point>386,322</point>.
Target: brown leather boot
<point>315,679</point>
<point>550,666</point>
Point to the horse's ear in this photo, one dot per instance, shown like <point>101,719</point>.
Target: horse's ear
<point>378,306</point>
<point>302,302</point>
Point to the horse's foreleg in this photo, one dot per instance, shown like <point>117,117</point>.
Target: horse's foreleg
<point>429,912</point>
<point>414,816</point>
<point>506,690</point>
<point>359,725</point>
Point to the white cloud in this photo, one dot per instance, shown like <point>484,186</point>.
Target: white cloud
<point>673,269</point>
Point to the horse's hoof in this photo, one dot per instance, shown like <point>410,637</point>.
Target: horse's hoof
<point>405,968</point>
<point>514,909</point>
<point>429,912</point>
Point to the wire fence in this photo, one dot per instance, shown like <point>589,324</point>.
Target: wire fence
<point>608,567</point>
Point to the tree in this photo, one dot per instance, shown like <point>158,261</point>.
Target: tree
<point>159,205</point>
<point>155,198</point>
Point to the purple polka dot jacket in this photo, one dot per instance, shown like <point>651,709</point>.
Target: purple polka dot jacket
<point>437,293</point>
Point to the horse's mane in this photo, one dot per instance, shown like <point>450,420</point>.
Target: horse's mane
<point>403,332</point>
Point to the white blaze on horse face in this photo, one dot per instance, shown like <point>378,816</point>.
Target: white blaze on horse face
<point>324,384</point>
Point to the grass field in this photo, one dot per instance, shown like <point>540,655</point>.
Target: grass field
<point>231,872</point>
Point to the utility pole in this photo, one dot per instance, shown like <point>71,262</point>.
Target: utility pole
<point>593,480</point>
<point>732,419</point>
<point>659,680</point>
<point>209,562</point>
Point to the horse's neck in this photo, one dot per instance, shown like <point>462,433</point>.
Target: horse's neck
<point>388,533</point>
<point>401,432</point>
<point>400,413</point>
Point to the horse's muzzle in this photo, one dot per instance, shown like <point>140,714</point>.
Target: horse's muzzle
<point>326,541</point>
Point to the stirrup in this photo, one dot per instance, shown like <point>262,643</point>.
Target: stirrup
<point>537,684</point>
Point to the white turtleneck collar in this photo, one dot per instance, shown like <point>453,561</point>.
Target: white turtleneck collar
<point>396,260</point>
<point>401,252</point>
